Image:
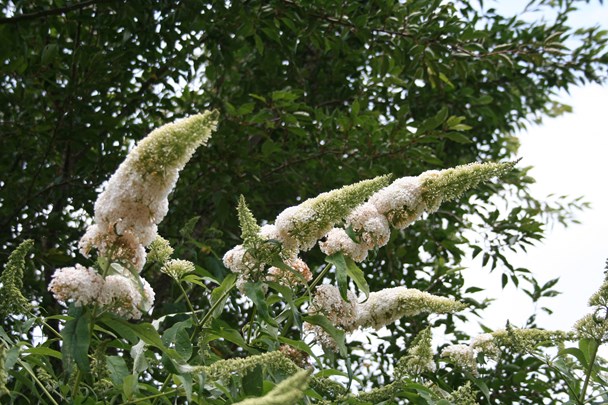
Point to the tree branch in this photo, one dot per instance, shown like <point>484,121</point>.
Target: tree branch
<point>50,12</point>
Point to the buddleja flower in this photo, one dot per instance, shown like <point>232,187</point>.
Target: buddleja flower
<point>302,226</point>
<point>337,240</point>
<point>160,250</point>
<point>127,212</point>
<point>121,293</point>
<point>595,324</point>
<point>78,284</point>
<point>296,273</point>
<point>486,344</point>
<point>526,340</point>
<point>126,297</point>
<point>403,202</point>
<point>386,306</point>
<point>461,355</point>
<point>328,301</point>
<point>464,395</point>
<point>419,358</point>
<point>135,198</point>
<point>3,373</point>
<point>177,268</point>
<point>400,202</point>
<point>289,391</point>
<point>343,314</point>
<point>13,301</point>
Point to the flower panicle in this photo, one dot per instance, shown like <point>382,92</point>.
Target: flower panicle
<point>134,200</point>
<point>3,374</point>
<point>160,250</point>
<point>449,184</point>
<point>121,293</point>
<point>464,395</point>
<point>595,324</point>
<point>288,391</point>
<point>13,301</point>
<point>177,268</point>
<point>249,226</point>
<point>403,202</point>
<point>419,357</point>
<point>390,304</point>
<point>172,145</point>
<point>303,225</point>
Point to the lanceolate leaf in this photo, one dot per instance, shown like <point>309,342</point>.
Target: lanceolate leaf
<point>339,263</point>
<point>337,334</point>
<point>76,339</point>
<point>255,293</point>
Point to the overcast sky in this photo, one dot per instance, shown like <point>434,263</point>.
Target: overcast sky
<point>570,156</point>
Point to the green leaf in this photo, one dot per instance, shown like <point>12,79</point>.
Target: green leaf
<point>588,346</point>
<point>117,368</point>
<point>259,44</point>
<point>355,107</point>
<point>483,100</point>
<point>43,351</point>
<point>178,335</point>
<point>220,329</point>
<point>337,334</point>
<point>144,331</point>
<point>577,353</point>
<point>337,259</point>
<point>253,382</point>
<point>219,291</point>
<point>357,275</point>
<point>49,52</point>
<point>456,137</point>
<point>129,386</point>
<point>434,121</point>
<point>186,380</point>
<point>255,293</point>
<point>76,339</point>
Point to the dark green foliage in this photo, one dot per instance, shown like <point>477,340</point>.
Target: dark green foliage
<point>312,95</point>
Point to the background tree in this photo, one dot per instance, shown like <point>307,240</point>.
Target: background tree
<point>313,95</point>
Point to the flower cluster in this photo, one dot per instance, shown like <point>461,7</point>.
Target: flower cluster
<point>177,268</point>
<point>464,395</point>
<point>463,356</point>
<point>11,280</point>
<point>490,344</point>
<point>3,372</point>
<point>595,324</point>
<point>118,293</point>
<point>403,202</point>
<point>366,224</point>
<point>127,212</point>
<point>419,357</point>
<point>381,308</point>
<point>328,302</point>
<point>289,391</point>
<point>296,272</point>
<point>135,198</point>
<point>159,250</point>
<point>390,304</point>
<point>303,225</point>
<point>295,229</point>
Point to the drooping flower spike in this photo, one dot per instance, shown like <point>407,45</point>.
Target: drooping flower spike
<point>127,212</point>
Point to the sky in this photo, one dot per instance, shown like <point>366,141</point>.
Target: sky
<point>570,156</point>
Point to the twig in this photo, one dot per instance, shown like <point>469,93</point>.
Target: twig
<point>50,12</point>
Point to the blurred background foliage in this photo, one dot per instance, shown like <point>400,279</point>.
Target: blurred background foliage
<point>313,95</point>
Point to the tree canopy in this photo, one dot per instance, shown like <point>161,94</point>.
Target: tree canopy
<point>312,96</point>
